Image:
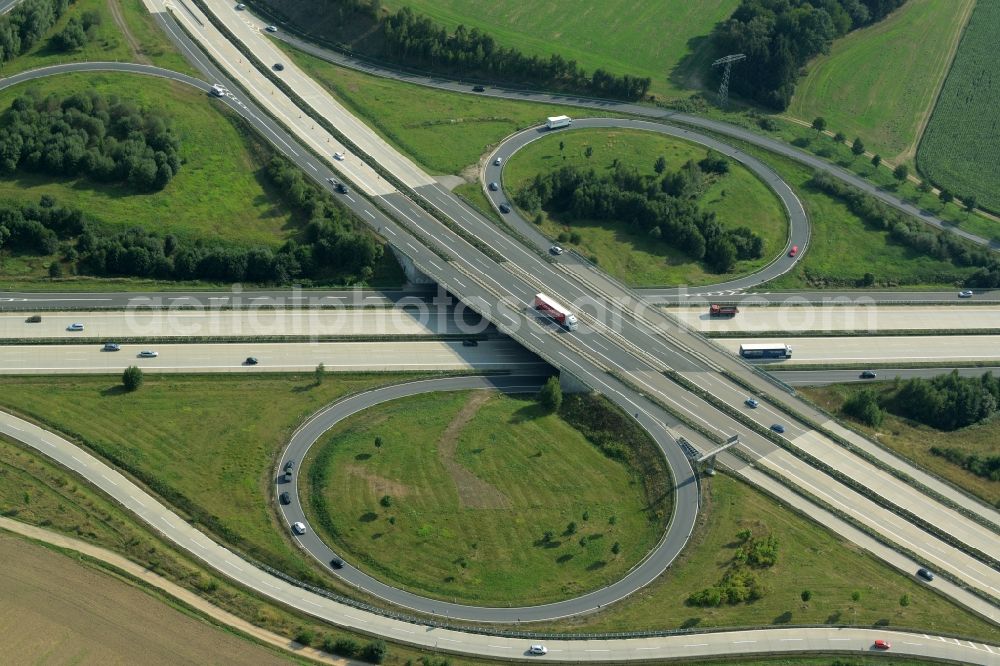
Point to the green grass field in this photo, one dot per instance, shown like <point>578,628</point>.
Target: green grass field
<point>625,38</point>
<point>809,557</point>
<point>960,146</point>
<point>880,82</point>
<point>219,193</point>
<point>914,440</point>
<point>475,480</point>
<point>443,131</point>
<point>738,199</point>
<point>205,443</point>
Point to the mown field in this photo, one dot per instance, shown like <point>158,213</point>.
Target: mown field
<point>207,444</point>
<point>808,558</point>
<point>914,440</point>
<point>475,480</point>
<point>960,146</point>
<point>647,39</point>
<point>443,131</point>
<point>880,82</point>
<point>737,198</point>
<point>119,623</point>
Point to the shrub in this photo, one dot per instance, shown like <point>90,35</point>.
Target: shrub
<point>132,378</point>
<point>375,652</point>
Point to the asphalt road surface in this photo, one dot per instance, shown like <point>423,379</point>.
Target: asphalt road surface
<point>499,355</point>
<point>848,641</point>
<point>823,377</point>
<point>880,350</point>
<point>758,320</point>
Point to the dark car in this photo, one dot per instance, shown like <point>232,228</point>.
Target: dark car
<point>777,427</point>
<point>340,187</point>
<point>751,403</point>
<point>278,67</point>
<point>112,346</point>
<point>478,89</point>
<point>494,187</point>
<point>869,374</point>
<point>926,574</point>
<point>285,498</point>
<point>468,342</point>
<point>251,360</point>
<point>290,465</point>
<point>34,319</point>
<point>337,563</point>
<point>504,208</point>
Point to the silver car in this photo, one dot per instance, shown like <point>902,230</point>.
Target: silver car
<point>298,528</point>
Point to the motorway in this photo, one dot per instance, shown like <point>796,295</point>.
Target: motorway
<point>493,287</point>
<point>854,318</point>
<point>398,356</point>
<point>824,377</point>
<point>941,349</point>
<point>380,321</point>
<point>842,640</point>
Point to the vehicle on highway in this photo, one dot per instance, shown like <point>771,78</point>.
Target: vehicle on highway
<point>469,342</point>
<point>777,427</point>
<point>926,574</point>
<point>555,122</point>
<point>33,319</point>
<point>278,67</point>
<point>504,208</point>
<point>111,346</point>
<point>290,465</point>
<point>146,353</point>
<point>556,312</point>
<point>75,327</point>
<point>718,310</point>
<point>765,350</point>
<point>285,498</point>
<point>339,157</point>
<point>271,28</point>
<point>498,161</point>
<point>794,251</point>
<point>538,649</point>
<point>340,187</point>
<point>868,374</point>
<point>478,89</point>
<point>251,360</point>
<point>241,6</point>
<point>556,250</point>
<point>218,90</point>
<point>337,563</point>
<point>965,294</point>
<point>298,528</point>
<point>882,645</point>
<point>494,187</point>
<point>751,403</point>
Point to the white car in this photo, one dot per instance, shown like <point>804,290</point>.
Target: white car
<point>75,327</point>
<point>298,528</point>
<point>219,90</point>
<point>271,28</point>
<point>148,354</point>
<point>498,161</point>
<point>965,294</point>
<point>538,649</point>
<point>338,156</point>
<point>556,250</point>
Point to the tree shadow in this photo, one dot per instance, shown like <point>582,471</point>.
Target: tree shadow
<point>304,387</point>
<point>690,623</point>
<point>784,618</point>
<point>563,559</point>
<point>833,618</point>
<point>368,516</point>
<point>363,456</point>
<point>599,564</point>
<point>528,413</point>
<point>117,389</point>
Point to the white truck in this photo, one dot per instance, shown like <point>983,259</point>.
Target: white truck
<point>553,310</point>
<point>555,122</point>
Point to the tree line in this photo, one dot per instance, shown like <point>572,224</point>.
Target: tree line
<point>23,26</point>
<point>780,36</point>
<point>913,233</point>
<point>91,135</point>
<point>412,38</point>
<point>662,205</point>
<point>78,31</point>
<point>333,247</point>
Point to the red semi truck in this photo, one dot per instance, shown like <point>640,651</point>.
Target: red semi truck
<point>716,310</point>
<point>555,311</point>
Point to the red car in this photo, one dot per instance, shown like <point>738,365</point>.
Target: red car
<point>882,645</point>
<point>794,251</point>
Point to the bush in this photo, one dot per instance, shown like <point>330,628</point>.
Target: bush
<point>305,636</point>
<point>375,652</point>
<point>132,378</point>
<point>345,647</point>
<point>864,407</point>
<point>550,396</point>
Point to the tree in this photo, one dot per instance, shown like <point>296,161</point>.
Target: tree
<point>863,406</point>
<point>660,165</point>
<point>616,548</point>
<point>970,202</point>
<point>132,378</point>
<point>375,652</point>
<point>612,520</point>
<point>840,137</point>
<point>876,160</point>
<point>858,147</point>
<point>571,528</point>
<point>378,441</point>
<point>855,596</point>
<point>901,172</point>
<point>55,270</point>
<point>562,146</point>
<point>320,373</point>
<point>588,152</point>
<point>806,595</point>
<point>586,515</point>
<point>551,394</point>
<point>904,600</point>
<point>946,196</point>
<point>305,636</point>
<point>924,186</point>
<point>819,123</point>
<point>386,501</point>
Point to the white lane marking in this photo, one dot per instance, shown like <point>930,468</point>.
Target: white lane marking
<point>412,246</point>
<point>389,230</point>
<point>790,639</point>
<point>369,214</point>
<point>500,647</point>
<point>434,264</point>
<point>77,459</point>
<point>460,283</point>
<point>109,479</point>
<point>312,167</point>
<point>739,642</point>
<point>696,645</point>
